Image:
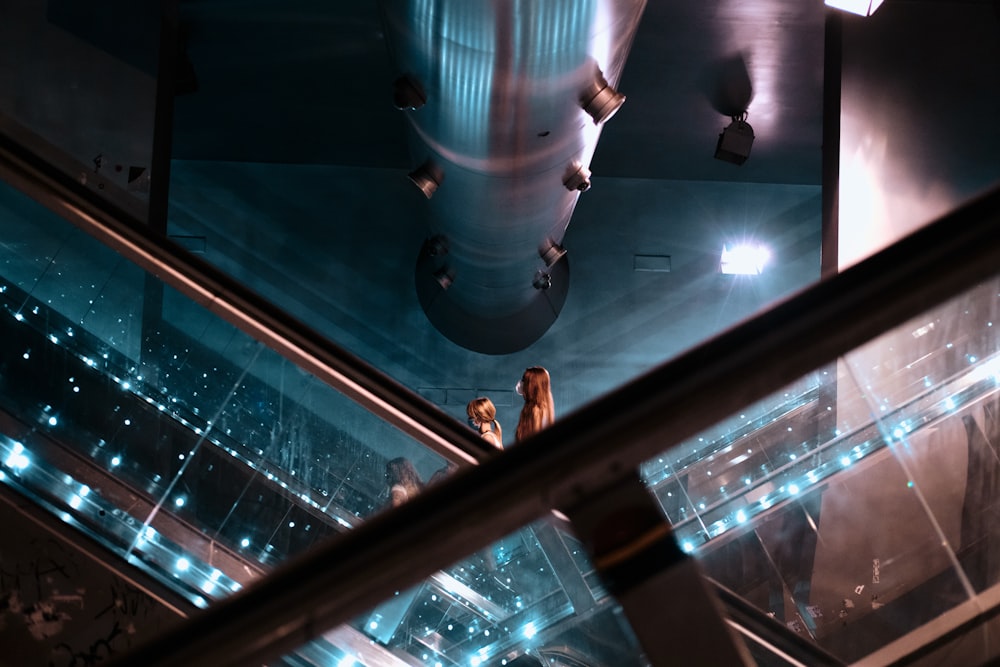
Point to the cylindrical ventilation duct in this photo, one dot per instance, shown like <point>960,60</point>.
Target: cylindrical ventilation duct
<point>506,100</point>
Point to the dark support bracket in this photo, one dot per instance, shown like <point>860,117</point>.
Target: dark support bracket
<point>634,551</point>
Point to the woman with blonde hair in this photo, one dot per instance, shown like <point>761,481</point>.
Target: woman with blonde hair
<point>403,480</point>
<point>538,411</point>
<point>483,417</point>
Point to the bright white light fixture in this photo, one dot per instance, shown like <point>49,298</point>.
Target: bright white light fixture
<point>744,260</point>
<point>859,7</point>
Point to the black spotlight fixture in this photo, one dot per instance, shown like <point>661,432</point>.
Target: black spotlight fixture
<point>735,141</point>
<point>407,94</point>
<point>542,280</point>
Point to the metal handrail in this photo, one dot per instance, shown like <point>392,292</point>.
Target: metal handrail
<point>589,450</point>
<point>232,301</point>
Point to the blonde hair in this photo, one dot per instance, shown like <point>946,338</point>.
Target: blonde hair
<point>538,411</point>
<point>481,410</point>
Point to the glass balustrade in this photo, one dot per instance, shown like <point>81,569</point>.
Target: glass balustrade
<point>124,402</point>
<point>852,506</point>
<point>855,505</point>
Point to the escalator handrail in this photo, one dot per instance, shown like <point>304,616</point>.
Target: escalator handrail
<point>227,298</point>
<point>763,629</point>
<point>591,449</point>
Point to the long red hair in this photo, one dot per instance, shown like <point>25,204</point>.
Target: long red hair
<point>538,411</point>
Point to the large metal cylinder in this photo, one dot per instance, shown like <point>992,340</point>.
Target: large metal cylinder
<point>505,101</point>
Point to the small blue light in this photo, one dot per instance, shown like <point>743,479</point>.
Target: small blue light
<point>18,459</point>
<point>845,461</point>
<point>688,547</point>
<point>116,461</point>
<point>179,501</point>
<point>741,516</point>
<point>530,630</point>
<point>183,564</point>
<point>245,542</point>
<point>53,421</point>
<point>793,489</point>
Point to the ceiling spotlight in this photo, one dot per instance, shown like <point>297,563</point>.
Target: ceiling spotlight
<point>577,178</point>
<point>735,141</point>
<point>859,7</point>
<point>551,252</point>
<point>600,100</point>
<point>407,94</point>
<point>744,260</point>
<point>427,177</point>
<point>542,281</point>
<point>444,277</point>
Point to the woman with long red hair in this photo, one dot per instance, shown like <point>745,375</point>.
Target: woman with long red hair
<point>538,411</point>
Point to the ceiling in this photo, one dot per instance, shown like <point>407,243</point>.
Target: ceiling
<point>310,82</point>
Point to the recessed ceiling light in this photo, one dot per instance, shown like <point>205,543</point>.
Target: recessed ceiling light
<point>744,260</point>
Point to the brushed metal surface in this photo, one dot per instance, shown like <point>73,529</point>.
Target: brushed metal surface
<point>499,141</point>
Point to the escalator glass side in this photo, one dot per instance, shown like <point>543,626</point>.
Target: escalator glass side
<point>856,505</point>
<point>519,602</point>
<point>190,429</point>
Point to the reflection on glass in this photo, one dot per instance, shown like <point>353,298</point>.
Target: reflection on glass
<point>856,505</point>
<point>80,89</point>
<point>207,446</point>
<point>524,598</point>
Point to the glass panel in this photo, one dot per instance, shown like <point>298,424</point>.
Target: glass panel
<point>80,87</point>
<point>940,416</point>
<point>520,602</point>
<point>856,505</point>
<point>196,442</point>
